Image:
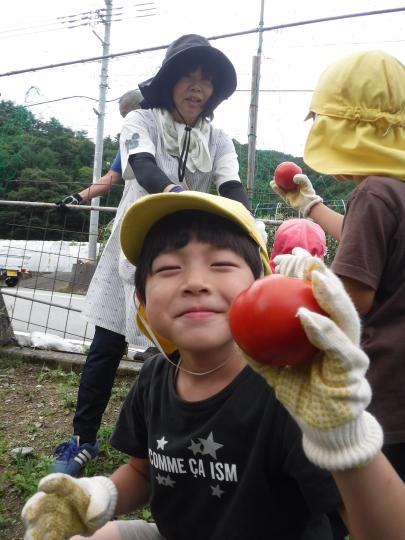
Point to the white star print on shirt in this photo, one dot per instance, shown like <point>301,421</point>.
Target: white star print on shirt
<point>161,443</point>
<point>161,480</point>
<point>165,480</point>
<point>217,491</point>
<point>169,481</point>
<point>195,447</point>
<point>210,446</point>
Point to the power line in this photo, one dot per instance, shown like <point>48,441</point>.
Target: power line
<point>212,38</point>
<point>64,98</point>
<point>48,22</point>
<point>274,90</point>
<point>86,18</point>
<point>29,27</point>
<point>55,24</point>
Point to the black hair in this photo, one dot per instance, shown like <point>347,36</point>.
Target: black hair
<point>175,231</point>
<point>188,65</point>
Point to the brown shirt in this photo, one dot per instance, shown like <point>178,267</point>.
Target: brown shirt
<point>372,251</point>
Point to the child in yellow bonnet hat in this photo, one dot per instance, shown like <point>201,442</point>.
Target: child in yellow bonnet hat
<point>358,135</point>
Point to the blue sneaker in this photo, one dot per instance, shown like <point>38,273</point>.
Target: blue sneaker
<point>71,456</point>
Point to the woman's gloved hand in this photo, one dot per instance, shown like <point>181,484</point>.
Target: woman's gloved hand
<point>328,396</point>
<point>64,506</point>
<point>73,199</point>
<point>303,198</point>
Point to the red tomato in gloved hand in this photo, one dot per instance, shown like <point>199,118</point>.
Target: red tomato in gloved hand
<point>284,175</point>
<point>264,322</point>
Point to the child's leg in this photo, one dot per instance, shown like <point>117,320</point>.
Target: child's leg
<point>125,530</point>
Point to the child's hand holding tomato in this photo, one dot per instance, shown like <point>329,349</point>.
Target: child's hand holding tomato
<point>328,396</point>
<point>303,198</point>
<point>284,175</point>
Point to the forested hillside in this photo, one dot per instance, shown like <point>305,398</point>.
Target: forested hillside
<point>45,161</point>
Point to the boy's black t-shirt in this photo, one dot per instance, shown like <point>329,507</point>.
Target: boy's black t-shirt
<point>229,467</point>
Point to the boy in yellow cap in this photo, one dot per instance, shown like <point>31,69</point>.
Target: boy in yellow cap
<point>358,135</point>
<point>212,447</point>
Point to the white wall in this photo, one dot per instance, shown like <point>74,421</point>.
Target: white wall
<point>42,256</point>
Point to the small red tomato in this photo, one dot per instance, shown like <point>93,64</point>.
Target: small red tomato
<point>264,322</point>
<point>284,174</point>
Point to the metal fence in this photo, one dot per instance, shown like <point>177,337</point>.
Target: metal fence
<point>53,247</point>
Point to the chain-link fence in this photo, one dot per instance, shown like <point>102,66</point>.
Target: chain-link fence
<point>45,270</point>
<point>270,208</point>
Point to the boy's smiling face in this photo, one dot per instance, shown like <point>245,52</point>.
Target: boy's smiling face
<point>189,292</point>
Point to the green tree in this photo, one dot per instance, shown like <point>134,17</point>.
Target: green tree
<point>44,161</point>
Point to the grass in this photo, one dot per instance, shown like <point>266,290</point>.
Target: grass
<point>37,412</point>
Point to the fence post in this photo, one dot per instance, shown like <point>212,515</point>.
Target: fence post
<point>7,336</point>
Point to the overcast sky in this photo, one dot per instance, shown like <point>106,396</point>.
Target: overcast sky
<point>34,34</point>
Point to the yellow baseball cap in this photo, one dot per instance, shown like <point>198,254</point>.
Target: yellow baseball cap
<point>145,212</point>
<point>359,128</point>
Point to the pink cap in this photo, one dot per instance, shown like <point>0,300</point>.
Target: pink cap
<point>298,233</point>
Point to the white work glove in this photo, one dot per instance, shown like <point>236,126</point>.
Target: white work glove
<point>65,506</point>
<point>328,396</point>
<point>293,264</point>
<point>262,228</point>
<point>303,198</point>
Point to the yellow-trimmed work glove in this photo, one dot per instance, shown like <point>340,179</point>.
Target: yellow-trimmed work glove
<point>328,396</point>
<point>294,264</point>
<point>65,506</point>
<point>303,198</point>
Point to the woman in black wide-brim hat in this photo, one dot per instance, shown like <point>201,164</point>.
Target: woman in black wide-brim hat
<point>172,145</point>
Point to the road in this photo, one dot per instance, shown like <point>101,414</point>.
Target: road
<point>28,316</point>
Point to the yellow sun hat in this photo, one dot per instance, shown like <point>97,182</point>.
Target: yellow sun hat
<point>143,214</point>
<point>359,109</point>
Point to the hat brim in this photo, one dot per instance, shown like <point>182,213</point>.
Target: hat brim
<point>340,146</point>
<point>152,89</point>
<point>143,214</point>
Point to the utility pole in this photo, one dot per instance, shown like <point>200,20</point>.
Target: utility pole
<point>98,151</point>
<point>253,110</point>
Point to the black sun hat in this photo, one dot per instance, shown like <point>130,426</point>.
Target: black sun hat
<point>180,52</point>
